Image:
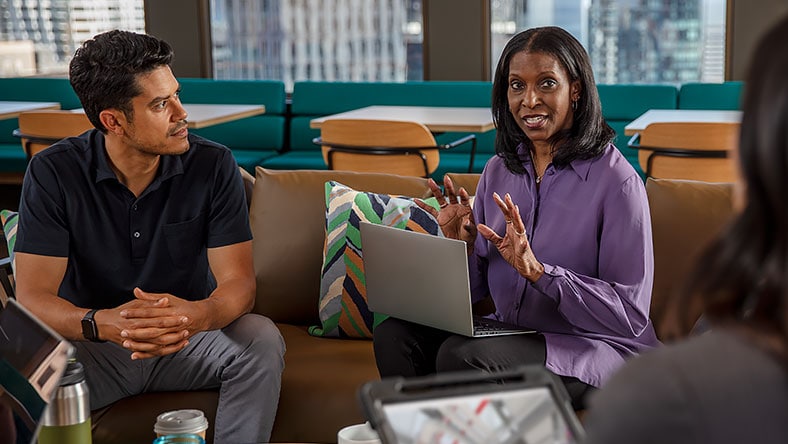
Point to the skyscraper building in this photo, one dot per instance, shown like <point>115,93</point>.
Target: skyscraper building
<point>513,16</point>
<point>334,40</point>
<point>653,41</point>
<point>57,27</point>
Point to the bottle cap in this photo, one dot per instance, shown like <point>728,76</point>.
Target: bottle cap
<point>74,373</point>
<point>180,421</point>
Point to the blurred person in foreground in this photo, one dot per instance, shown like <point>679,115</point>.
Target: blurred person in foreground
<point>729,385</point>
<point>134,243</point>
<point>563,241</point>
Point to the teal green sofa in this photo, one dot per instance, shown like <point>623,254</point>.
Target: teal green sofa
<point>252,139</point>
<point>13,161</point>
<point>282,139</point>
<point>316,99</point>
<point>622,104</point>
<point>720,96</point>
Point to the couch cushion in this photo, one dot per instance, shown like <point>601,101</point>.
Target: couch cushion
<point>295,160</point>
<point>251,139</point>
<point>320,382</point>
<point>725,96</point>
<point>469,181</point>
<point>685,216</point>
<point>343,293</point>
<point>287,217</point>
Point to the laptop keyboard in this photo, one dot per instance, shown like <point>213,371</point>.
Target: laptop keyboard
<point>486,327</point>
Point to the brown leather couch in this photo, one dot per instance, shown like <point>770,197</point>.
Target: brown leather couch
<point>322,375</point>
<point>685,216</point>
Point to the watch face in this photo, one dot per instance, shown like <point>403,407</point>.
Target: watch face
<point>86,330</point>
<point>89,327</point>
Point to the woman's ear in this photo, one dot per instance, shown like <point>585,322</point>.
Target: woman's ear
<point>576,90</point>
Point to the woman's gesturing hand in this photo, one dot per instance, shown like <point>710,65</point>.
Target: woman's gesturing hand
<point>455,216</point>
<point>513,245</point>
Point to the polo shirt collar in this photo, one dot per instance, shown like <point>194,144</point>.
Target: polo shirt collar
<point>169,166</point>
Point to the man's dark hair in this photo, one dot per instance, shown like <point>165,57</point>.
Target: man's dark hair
<point>104,70</point>
<point>589,135</point>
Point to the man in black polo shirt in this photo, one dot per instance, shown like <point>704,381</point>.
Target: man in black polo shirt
<point>134,242</point>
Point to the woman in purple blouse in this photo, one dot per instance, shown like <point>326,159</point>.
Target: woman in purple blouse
<point>559,235</point>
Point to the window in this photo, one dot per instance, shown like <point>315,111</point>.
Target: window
<point>39,37</point>
<point>339,40</point>
<point>629,41</point>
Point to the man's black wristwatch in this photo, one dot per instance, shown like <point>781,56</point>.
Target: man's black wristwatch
<point>89,327</point>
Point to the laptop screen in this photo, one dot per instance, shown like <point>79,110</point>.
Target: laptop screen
<point>32,360</point>
<point>472,409</point>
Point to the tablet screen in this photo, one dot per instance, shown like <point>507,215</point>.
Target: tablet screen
<point>32,360</point>
<point>528,415</point>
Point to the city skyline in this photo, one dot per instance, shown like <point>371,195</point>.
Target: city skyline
<point>629,41</point>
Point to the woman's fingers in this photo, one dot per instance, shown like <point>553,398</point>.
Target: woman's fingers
<point>436,192</point>
<point>448,188</point>
<point>506,205</point>
<point>465,198</point>
<point>519,221</point>
<point>489,234</point>
<point>426,207</point>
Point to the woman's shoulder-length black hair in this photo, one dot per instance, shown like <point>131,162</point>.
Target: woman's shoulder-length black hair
<point>742,277</point>
<point>589,135</point>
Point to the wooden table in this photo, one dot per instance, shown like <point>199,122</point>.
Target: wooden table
<point>203,115</point>
<point>680,115</point>
<point>11,110</point>
<point>437,119</point>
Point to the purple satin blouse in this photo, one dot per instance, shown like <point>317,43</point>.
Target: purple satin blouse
<point>588,224</point>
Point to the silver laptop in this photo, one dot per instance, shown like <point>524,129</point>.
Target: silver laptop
<point>33,358</point>
<point>423,279</point>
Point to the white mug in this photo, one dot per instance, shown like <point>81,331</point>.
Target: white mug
<point>358,434</point>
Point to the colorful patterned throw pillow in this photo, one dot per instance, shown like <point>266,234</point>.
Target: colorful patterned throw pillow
<point>9,219</point>
<point>343,295</point>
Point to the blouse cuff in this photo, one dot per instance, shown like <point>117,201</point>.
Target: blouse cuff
<point>549,278</point>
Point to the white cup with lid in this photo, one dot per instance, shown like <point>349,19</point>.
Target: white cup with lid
<point>181,422</point>
<point>358,434</point>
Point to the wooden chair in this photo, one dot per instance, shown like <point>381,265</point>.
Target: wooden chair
<point>40,129</point>
<point>395,147</point>
<point>689,151</point>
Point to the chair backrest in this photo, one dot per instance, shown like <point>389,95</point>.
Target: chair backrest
<point>689,151</point>
<point>40,129</point>
<point>374,146</point>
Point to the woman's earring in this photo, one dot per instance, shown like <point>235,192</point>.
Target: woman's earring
<point>574,105</point>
